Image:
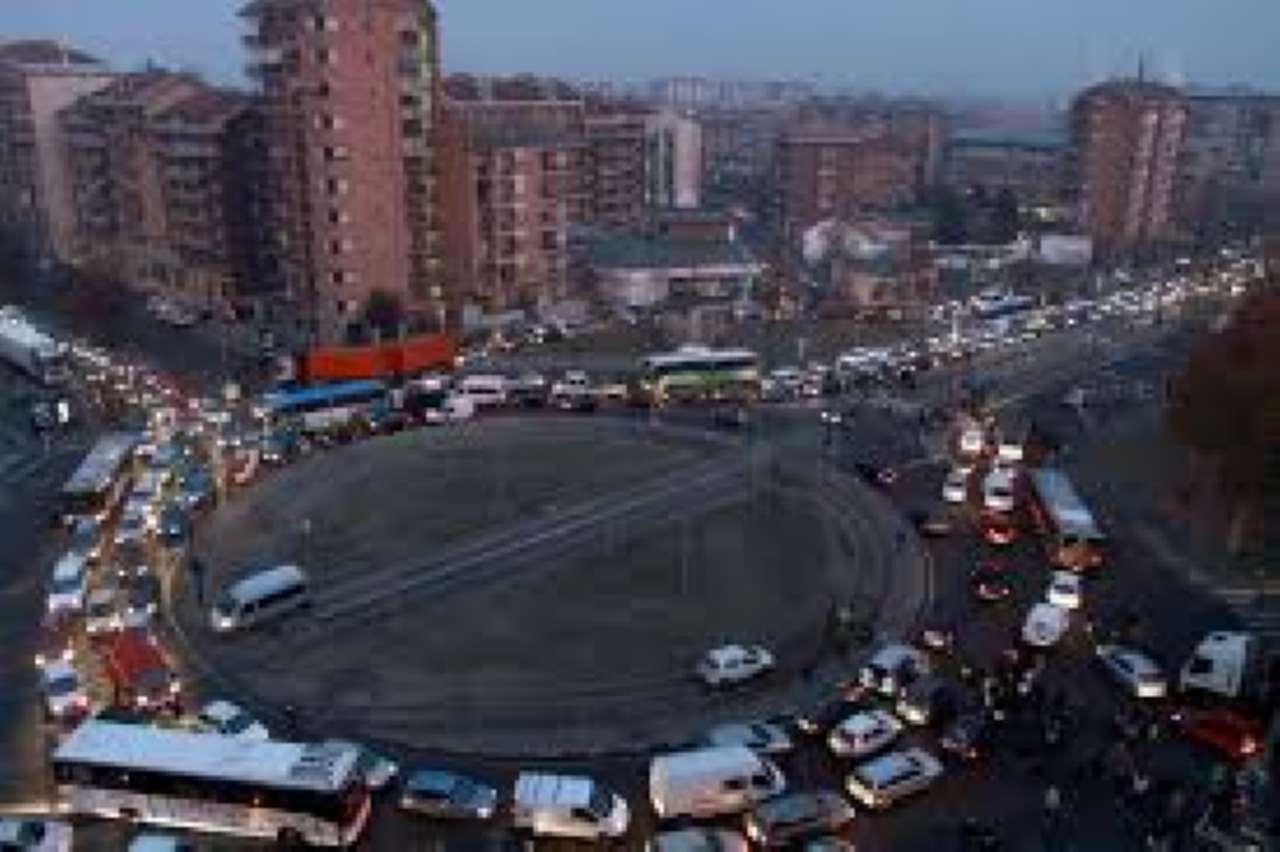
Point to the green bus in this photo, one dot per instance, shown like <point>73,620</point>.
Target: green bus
<point>699,373</point>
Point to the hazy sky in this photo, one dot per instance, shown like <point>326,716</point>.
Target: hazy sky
<point>988,47</point>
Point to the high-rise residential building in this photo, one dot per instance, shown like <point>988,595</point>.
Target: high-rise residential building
<point>519,145</point>
<point>1030,165</point>
<point>37,80</point>
<point>1126,143</point>
<point>117,177</point>
<point>844,159</point>
<point>162,173</point>
<point>350,97</point>
<point>614,167</point>
<point>673,161</point>
<point>1229,170</point>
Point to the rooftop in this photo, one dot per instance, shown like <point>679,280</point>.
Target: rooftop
<point>632,251</point>
<point>207,105</point>
<point>1045,140</point>
<point>44,52</point>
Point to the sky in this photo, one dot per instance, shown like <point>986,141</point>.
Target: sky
<point>1013,48</point>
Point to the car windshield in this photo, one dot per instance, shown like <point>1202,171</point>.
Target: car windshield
<point>66,585</point>
<point>61,685</point>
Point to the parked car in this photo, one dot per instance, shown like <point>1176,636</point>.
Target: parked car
<point>103,611</point>
<point>1227,732</point>
<point>1134,671</point>
<point>780,823</point>
<point>929,700</point>
<point>231,720</point>
<point>443,794</point>
<point>819,718</point>
<point>760,737</point>
<point>377,770</point>
<point>863,733</point>
<point>892,667</point>
<point>698,840</point>
<point>881,782</point>
<point>711,782</point>
<point>64,699</point>
<point>568,806</point>
<point>969,736</point>
<point>730,664</point>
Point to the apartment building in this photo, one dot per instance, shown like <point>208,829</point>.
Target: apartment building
<point>350,92</point>
<point>614,167</point>
<point>37,80</point>
<point>1030,165</point>
<point>673,161</point>
<point>1127,140</point>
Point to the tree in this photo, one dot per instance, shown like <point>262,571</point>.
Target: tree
<point>1224,406</point>
<point>383,312</point>
<point>950,225</point>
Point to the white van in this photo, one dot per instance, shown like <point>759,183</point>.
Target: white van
<point>711,781</point>
<point>567,806</point>
<point>997,490</point>
<point>485,391</point>
<point>67,585</point>
<point>262,596</point>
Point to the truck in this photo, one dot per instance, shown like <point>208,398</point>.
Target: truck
<point>396,359</point>
<point>29,350</point>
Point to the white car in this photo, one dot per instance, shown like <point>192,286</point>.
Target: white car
<point>882,781</point>
<point>864,733</point>
<point>955,488</point>
<point>973,441</point>
<point>760,737</point>
<point>1140,675</point>
<point>223,717</point>
<point>698,840</point>
<point>63,697</point>
<point>35,835</point>
<point>1066,590</point>
<point>378,771</point>
<point>1045,625</point>
<point>731,664</point>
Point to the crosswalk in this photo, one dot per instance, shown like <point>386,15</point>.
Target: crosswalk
<point>1258,611</point>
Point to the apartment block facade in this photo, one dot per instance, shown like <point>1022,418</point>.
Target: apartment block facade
<point>1127,138</point>
<point>350,92</point>
<point>613,181</point>
<point>1031,166</point>
<point>673,161</point>
<point>38,79</point>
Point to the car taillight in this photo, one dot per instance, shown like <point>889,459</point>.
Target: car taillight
<point>1248,745</point>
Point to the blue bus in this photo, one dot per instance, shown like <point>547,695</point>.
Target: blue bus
<point>321,407</point>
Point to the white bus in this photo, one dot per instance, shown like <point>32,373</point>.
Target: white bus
<point>1072,537</point>
<point>30,350</point>
<point>280,791</point>
<point>99,483</point>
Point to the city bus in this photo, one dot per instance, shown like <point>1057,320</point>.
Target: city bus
<point>98,484</point>
<point>695,373</point>
<point>1072,538</point>
<point>321,407</point>
<point>286,792</point>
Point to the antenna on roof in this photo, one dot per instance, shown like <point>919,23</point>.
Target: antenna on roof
<point>1142,68</point>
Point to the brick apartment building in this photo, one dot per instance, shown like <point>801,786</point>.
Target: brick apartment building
<point>515,149</point>
<point>1229,169</point>
<point>614,166</point>
<point>837,162</point>
<point>37,80</point>
<point>350,97</point>
<point>1126,144</point>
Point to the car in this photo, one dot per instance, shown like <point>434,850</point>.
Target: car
<point>929,700</point>
<point>86,538</point>
<point>969,735</point>
<point>732,664</point>
<point>231,720</point>
<point>938,634</point>
<point>1137,673</point>
<point>880,476</point>
<point>932,524</point>
<point>22,834</point>
<point>132,528</point>
<point>864,733</point>
<point>103,611</point>
<point>1230,734</point>
<point>990,583</point>
<point>173,525</point>
<point>760,737</point>
<point>55,641</point>
<point>818,719</point>
<point>443,794</point>
<point>64,700</point>
<point>142,598</point>
<point>955,488</point>
<point>783,821</point>
<point>698,840</point>
<point>892,667</point>
<point>1066,590</point>
<point>1045,625</point>
<point>377,770</point>
<point>887,779</point>
<point>997,528</point>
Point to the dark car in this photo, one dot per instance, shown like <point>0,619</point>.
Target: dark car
<point>969,736</point>
<point>196,491</point>
<point>989,583</point>
<point>1226,732</point>
<point>931,524</point>
<point>142,598</point>
<point>929,700</point>
<point>818,719</point>
<point>443,794</point>
<point>880,476</point>
<point>781,822</point>
<point>174,525</point>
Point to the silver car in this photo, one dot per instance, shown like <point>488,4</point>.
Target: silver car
<point>1137,673</point>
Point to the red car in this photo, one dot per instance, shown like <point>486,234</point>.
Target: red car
<point>997,529</point>
<point>1235,736</point>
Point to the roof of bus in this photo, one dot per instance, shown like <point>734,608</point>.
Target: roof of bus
<point>319,393</point>
<point>1060,498</point>
<point>697,355</point>
<point>102,461</point>
<point>267,581</point>
<point>19,330</point>
<point>204,755</point>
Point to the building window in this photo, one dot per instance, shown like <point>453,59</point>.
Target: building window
<point>409,38</point>
<point>324,56</point>
<point>338,276</point>
<point>323,90</point>
<point>336,216</point>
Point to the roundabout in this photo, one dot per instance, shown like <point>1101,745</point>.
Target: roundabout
<point>540,586</point>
